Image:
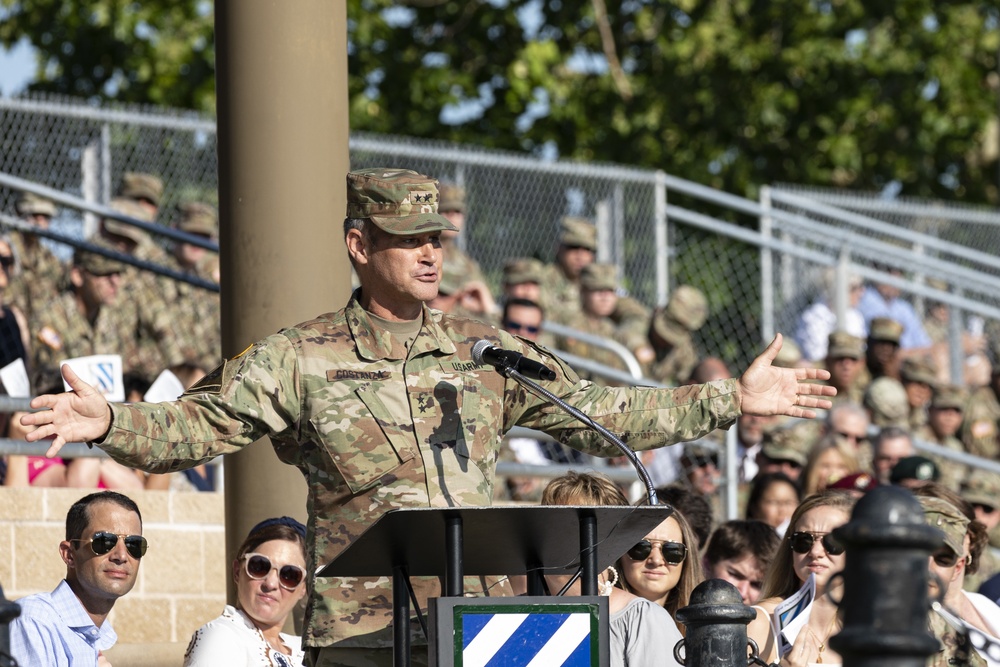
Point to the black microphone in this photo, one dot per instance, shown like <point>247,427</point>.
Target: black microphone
<point>503,360</point>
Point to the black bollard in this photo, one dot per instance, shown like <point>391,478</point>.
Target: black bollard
<point>716,622</point>
<point>8,612</point>
<point>885,600</point>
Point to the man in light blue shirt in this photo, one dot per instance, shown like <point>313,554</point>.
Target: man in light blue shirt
<point>883,300</point>
<point>68,627</point>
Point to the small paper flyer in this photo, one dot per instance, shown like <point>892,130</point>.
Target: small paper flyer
<point>101,371</point>
<point>791,615</point>
<point>15,379</point>
<point>166,387</point>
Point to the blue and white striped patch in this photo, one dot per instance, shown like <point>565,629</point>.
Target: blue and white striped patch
<point>526,640</point>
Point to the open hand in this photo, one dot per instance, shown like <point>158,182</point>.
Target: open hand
<point>80,415</point>
<point>770,390</point>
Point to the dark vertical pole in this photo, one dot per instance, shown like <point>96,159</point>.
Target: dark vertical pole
<point>716,622</point>
<point>400,619</point>
<point>885,601</point>
<point>283,156</point>
<point>454,566</point>
<point>536,581</point>
<point>8,612</point>
<point>588,554</point>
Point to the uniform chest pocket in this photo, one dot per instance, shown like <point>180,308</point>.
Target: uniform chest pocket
<point>361,437</point>
<point>454,416</point>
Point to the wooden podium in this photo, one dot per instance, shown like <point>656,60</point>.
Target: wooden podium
<point>453,542</point>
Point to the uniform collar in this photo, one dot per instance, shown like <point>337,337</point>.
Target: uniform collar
<point>374,343</point>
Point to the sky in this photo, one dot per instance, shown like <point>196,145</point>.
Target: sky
<point>17,68</point>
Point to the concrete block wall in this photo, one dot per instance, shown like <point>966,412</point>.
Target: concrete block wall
<point>182,578</point>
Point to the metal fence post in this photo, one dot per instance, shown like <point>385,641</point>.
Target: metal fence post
<point>766,268</point>
<point>716,623</point>
<point>8,612</point>
<point>885,601</point>
<point>662,239</point>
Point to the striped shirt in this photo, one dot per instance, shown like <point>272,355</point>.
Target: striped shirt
<point>55,630</point>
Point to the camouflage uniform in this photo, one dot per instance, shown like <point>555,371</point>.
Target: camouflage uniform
<point>144,307</point>
<point>953,473</point>
<point>457,267</point>
<point>40,275</point>
<point>62,332</point>
<point>671,335</point>
<point>198,310</point>
<point>329,393</point>
<point>979,427</point>
<point>561,294</point>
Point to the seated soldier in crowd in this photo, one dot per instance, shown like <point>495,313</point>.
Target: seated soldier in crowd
<point>38,275</point>
<point>845,360</point>
<point>919,378</point>
<point>944,419</point>
<point>671,335</point>
<point>882,354</point>
<point>886,402</point>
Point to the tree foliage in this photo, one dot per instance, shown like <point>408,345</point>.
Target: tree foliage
<point>151,52</point>
<point>865,94</point>
<point>733,93</point>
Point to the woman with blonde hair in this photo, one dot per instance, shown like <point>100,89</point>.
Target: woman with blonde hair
<point>806,551</point>
<point>642,633</point>
<point>828,461</point>
<point>664,567</point>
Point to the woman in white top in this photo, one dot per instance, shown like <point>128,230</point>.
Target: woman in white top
<point>270,575</point>
<point>807,549</point>
<point>642,633</point>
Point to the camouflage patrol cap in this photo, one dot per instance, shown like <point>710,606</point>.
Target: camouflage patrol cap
<point>688,306</point>
<point>32,204</point>
<point>96,264</point>
<point>599,277</point>
<point>842,344</point>
<point>522,270</point>
<point>199,218</point>
<point>779,444</point>
<point>451,283</point>
<point>698,452</point>
<point>982,488</point>
<point>452,198</point>
<point>949,396</point>
<point>918,369</point>
<point>789,355</point>
<point>133,210</point>
<point>884,328</point>
<point>398,201</point>
<point>577,232</point>
<point>949,519</point>
<point>136,186</point>
<point>886,399</point>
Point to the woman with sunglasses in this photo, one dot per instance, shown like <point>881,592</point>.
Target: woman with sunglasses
<point>807,550</point>
<point>661,568</point>
<point>641,633</point>
<point>270,576</point>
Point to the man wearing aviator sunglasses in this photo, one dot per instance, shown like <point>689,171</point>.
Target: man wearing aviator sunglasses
<point>102,551</point>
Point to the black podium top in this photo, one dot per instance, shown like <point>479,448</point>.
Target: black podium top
<point>497,540</point>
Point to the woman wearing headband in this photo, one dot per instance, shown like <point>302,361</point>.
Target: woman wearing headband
<point>664,567</point>
<point>270,576</point>
<point>807,550</point>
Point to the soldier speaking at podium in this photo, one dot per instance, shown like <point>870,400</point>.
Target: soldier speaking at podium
<point>381,406</point>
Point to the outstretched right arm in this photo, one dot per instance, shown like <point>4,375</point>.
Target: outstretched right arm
<point>79,415</point>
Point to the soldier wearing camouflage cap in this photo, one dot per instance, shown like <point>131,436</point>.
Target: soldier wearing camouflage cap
<point>919,377</point>
<point>198,311</point>
<point>147,302</point>
<point>39,275</point>
<point>144,189</point>
<point>561,281</point>
<point>522,278</point>
<point>598,299</point>
<point>982,490</point>
<point>981,425</point>
<point>381,405</point>
<point>886,403</point>
<point>79,322</point>
<point>882,354</point>
<point>944,419</point>
<point>670,335</point>
<point>845,359</point>
<point>459,268</point>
